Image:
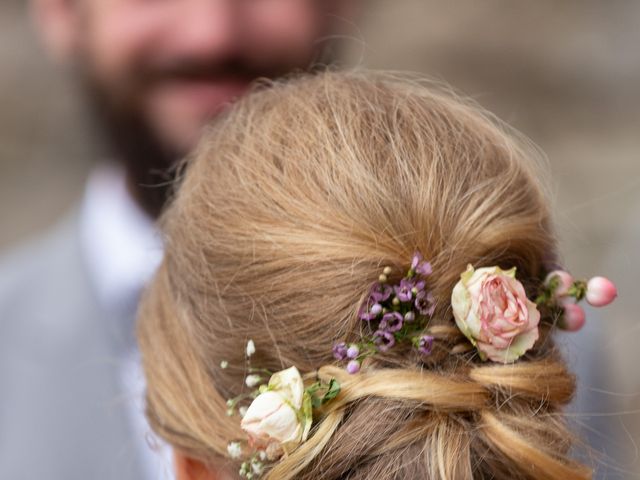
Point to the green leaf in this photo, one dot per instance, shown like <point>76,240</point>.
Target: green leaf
<point>307,415</point>
<point>332,391</point>
<point>313,388</point>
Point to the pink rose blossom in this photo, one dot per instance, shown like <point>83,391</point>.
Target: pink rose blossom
<point>491,308</point>
<point>601,291</point>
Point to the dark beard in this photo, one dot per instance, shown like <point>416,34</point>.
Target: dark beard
<point>127,137</point>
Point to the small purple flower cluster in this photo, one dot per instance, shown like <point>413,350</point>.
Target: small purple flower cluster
<point>342,351</point>
<point>393,313</point>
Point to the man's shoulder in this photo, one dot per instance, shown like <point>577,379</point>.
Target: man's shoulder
<point>38,261</point>
<point>28,262</point>
<point>58,369</point>
<point>43,284</point>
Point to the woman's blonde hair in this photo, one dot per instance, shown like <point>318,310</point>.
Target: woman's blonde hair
<point>290,207</point>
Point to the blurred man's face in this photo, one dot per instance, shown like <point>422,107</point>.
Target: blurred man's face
<point>178,62</point>
<point>158,70</point>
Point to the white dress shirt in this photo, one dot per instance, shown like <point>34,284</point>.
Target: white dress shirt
<point>122,250</point>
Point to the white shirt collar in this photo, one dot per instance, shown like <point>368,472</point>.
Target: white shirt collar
<point>120,243</point>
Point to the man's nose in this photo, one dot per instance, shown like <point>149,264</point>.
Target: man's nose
<point>207,28</point>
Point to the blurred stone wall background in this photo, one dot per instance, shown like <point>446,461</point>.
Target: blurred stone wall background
<point>44,152</point>
<point>565,72</point>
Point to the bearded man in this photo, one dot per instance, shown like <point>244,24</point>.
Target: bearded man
<point>154,72</point>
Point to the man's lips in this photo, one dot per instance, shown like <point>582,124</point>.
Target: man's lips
<point>200,97</point>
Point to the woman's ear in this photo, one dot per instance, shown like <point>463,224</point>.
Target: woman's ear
<point>190,469</point>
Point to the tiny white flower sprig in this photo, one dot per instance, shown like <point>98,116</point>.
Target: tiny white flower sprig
<point>393,314</point>
<point>255,378</point>
<point>279,417</point>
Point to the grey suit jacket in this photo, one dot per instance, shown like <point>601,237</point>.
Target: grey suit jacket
<point>63,414</point>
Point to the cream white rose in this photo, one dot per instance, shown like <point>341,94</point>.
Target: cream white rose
<point>279,415</point>
<point>491,308</point>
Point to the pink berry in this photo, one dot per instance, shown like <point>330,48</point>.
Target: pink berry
<point>573,318</point>
<point>565,281</point>
<point>601,291</point>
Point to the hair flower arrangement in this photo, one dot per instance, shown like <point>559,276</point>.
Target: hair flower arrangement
<point>279,417</point>
<point>492,310</point>
<point>490,307</point>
